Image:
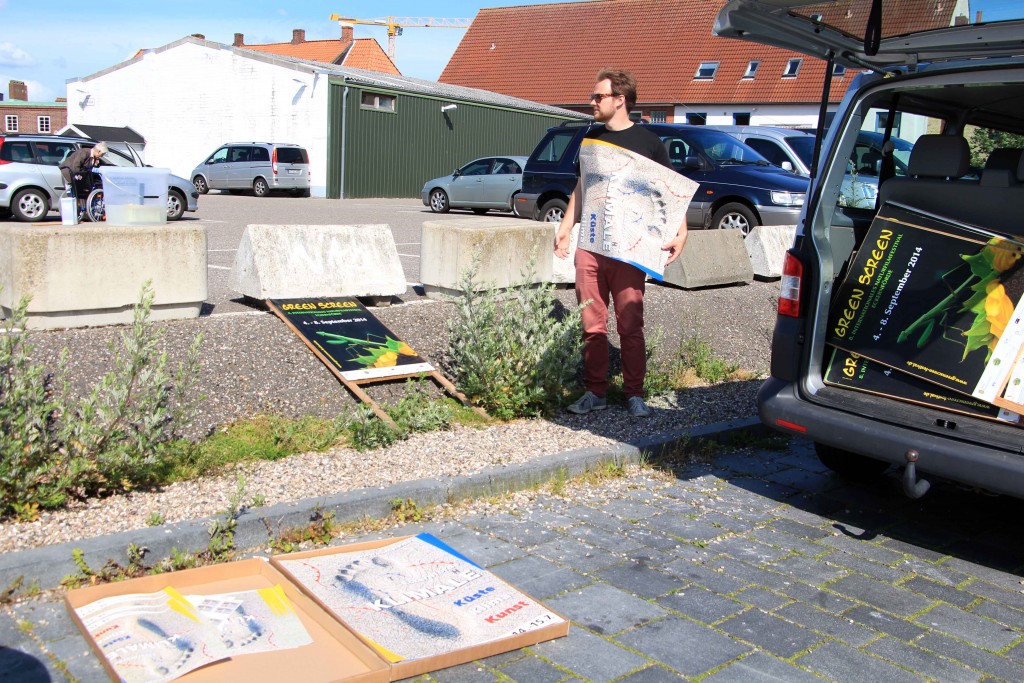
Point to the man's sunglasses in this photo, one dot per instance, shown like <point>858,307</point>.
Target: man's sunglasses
<point>600,96</point>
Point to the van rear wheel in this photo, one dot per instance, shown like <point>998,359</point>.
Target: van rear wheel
<point>848,464</point>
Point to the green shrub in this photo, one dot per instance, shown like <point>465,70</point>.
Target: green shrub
<point>510,353</point>
<point>119,436</point>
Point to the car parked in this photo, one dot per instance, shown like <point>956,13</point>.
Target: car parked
<point>953,90</point>
<point>261,167</point>
<point>793,150</point>
<point>31,183</point>
<point>738,188</point>
<point>481,185</point>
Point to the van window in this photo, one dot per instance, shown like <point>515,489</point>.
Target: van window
<point>219,157</point>
<point>238,154</point>
<point>554,147</point>
<point>259,154</point>
<point>292,155</point>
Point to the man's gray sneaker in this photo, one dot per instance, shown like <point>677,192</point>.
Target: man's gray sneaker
<point>588,402</point>
<point>637,407</point>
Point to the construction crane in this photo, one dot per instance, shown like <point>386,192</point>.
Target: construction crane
<point>396,24</point>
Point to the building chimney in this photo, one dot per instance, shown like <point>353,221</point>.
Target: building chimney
<point>17,90</point>
<point>960,20</point>
<point>239,40</point>
<point>298,36</point>
<point>346,33</point>
<point>200,36</point>
<point>977,17</point>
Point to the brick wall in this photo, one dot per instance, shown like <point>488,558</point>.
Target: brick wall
<point>28,117</point>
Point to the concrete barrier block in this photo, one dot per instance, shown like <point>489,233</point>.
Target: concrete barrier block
<point>767,245</point>
<point>563,271</point>
<point>295,261</point>
<point>711,257</point>
<point>505,245</point>
<point>91,274</point>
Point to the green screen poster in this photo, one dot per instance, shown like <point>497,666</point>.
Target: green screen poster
<point>850,371</point>
<point>350,338</point>
<point>933,298</point>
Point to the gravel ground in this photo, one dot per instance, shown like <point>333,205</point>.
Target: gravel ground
<point>251,363</point>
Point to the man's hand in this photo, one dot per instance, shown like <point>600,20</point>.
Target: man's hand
<point>562,238</point>
<point>674,247</point>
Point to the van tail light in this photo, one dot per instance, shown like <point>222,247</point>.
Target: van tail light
<point>273,161</point>
<point>2,162</point>
<point>792,281</point>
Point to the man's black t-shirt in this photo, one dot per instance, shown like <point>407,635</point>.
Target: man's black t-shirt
<point>636,139</point>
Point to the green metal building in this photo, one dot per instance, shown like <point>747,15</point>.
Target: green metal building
<point>387,135</point>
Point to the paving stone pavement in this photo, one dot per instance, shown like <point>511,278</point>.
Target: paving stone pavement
<point>759,565</point>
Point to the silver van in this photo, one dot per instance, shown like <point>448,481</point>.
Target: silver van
<point>257,166</point>
<point>900,325</point>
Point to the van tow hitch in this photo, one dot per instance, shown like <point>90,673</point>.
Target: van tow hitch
<point>912,486</point>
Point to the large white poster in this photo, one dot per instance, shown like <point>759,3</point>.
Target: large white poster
<point>631,205</point>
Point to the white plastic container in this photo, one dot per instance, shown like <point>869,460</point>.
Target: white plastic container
<point>68,211</point>
<point>135,196</point>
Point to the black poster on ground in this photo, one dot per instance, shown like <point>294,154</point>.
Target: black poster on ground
<point>932,298</point>
<point>349,337</point>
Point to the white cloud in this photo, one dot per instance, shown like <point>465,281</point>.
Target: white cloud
<point>12,55</point>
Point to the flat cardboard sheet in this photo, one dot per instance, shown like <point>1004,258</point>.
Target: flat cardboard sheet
<point>419,603</point>
<point>334,654</point>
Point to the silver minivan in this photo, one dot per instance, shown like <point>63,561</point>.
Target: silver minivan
<point>927,374</point>
<point>257,166</point>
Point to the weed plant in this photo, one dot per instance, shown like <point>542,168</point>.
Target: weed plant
<point>510,353</point>
<point>121,435</point>
<point>416,411</point>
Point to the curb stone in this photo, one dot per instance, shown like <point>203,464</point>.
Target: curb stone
<point>47,566</point>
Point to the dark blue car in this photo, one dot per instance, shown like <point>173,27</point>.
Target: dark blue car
<point>739,188</point>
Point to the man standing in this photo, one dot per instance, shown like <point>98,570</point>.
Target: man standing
<point>598,276</point>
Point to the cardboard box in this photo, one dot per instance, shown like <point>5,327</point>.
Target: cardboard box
<point>420,604</point>
<point>334,656</point>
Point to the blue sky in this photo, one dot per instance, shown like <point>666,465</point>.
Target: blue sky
<point>75,38</point>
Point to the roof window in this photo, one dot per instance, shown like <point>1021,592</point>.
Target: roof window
<point>751,68</point>
<point>706,71</point>
<point>792,68</point>
<point>838,70</point>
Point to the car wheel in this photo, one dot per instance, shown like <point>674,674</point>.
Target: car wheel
<point>200,183</point>
<point>553,211</point>
<point>260,187</point>
<point>439,201</point>
<point>850,465</point>
<point>734,216</point>
<point>30,205</point>
<point>480,212</point>
<point>95,207</point>
<point>175,205</point>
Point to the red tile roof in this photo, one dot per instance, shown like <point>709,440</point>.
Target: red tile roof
<point>362,53</point>
<point>551,54</point>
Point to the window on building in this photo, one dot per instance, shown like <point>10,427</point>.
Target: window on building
<point>816,18</point>
<point>751,68</point>
<point>43,124</point>
<point>882,118</point>
<point>11,123</point>
<point>741,119</point>
<point>838,70</point>
<point>658,116</point>
<point>375,100</point>
<point>792,68</point>
<point>706,71</point>
<point>697,119</point>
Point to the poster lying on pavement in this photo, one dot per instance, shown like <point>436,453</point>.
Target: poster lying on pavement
<point>350,338</point>
<point>640,205</point>
<point>417,598</point>
<point>938,300</point>
<point>158,637</point>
